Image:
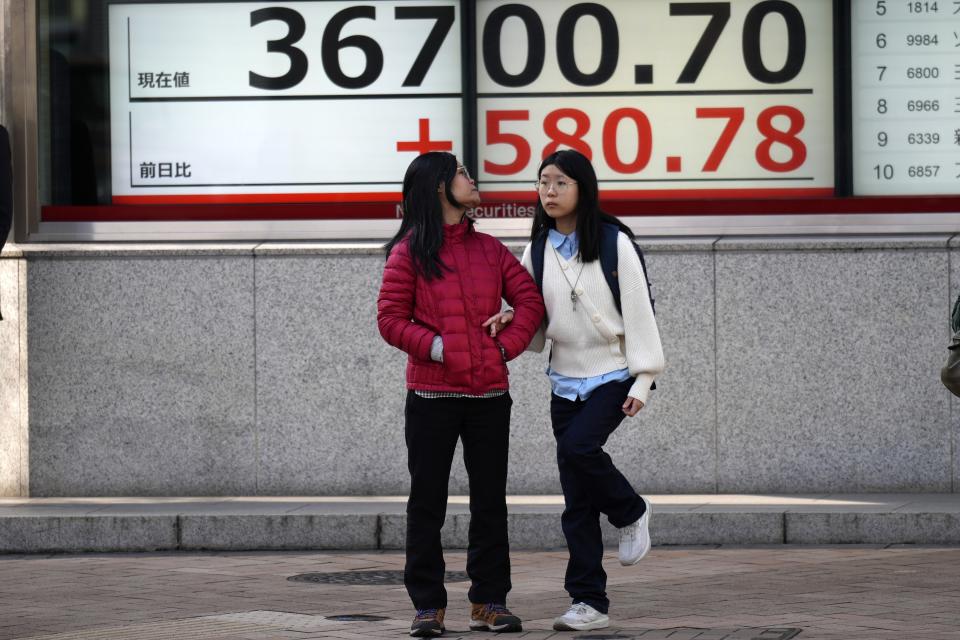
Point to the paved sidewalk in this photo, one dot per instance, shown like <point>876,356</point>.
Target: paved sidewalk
<point>729,593</point>
<point>40,525</point>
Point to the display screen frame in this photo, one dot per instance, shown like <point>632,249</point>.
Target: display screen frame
<point>840,213</point>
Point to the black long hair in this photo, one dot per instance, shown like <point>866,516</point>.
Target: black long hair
<point>589,215</point>
<point>422,211</point>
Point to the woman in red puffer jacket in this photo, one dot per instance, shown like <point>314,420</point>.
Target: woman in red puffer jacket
<point>440,302</point>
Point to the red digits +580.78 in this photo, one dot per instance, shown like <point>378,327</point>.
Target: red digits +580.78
<point>611,125</point>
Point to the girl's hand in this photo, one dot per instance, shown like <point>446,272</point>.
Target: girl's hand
<point>498,321</point>
<point>632,406</point>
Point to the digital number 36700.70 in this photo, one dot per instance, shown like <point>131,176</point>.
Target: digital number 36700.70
<point>644,141</point>
<point>609,43</point>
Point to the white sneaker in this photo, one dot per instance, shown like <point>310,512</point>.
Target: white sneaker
<point>581,617</point>
<point>635,539</point>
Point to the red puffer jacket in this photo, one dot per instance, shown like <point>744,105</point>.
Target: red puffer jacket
<point>411,310</point>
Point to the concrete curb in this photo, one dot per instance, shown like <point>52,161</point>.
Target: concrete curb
<point>39,526</point>
<point>67,534</point>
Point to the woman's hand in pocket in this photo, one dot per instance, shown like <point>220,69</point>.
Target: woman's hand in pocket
<point>498,321</point>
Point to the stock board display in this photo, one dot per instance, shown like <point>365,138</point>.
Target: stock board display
<point>327,102</point>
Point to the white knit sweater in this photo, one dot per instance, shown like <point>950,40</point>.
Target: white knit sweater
<point>595,339</point>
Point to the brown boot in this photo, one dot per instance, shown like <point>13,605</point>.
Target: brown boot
<point>493,617</point>
<point>427,623</point>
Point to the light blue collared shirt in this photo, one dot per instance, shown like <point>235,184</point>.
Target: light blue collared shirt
<point>565,386</point>
<point>566,246</point>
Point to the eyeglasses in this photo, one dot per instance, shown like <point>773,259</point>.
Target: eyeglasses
<point>559,186</point>
<point>461,170</point>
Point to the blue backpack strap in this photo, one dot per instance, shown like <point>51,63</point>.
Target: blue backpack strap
<point>643,265</point>
<point>537,248</point>
<point>608,260</point>
<point>608,263</point>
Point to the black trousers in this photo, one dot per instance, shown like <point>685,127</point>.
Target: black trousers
<point>591,485</point>
<point>433,426</point>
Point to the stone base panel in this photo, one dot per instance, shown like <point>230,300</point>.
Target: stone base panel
<point>793,365</point>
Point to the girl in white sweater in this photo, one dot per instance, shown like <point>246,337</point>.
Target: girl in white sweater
<point>602,364</point>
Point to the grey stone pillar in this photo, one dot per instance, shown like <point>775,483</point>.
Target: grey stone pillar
<point>17,109</point>
<point>14,441</point>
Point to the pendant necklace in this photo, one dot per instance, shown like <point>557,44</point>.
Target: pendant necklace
<point>573,287</point>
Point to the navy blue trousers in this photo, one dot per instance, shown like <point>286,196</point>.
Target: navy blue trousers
<point>433,427</point>
<point>591,485</point>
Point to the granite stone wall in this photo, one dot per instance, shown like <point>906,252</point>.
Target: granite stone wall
<point>794,365</point>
